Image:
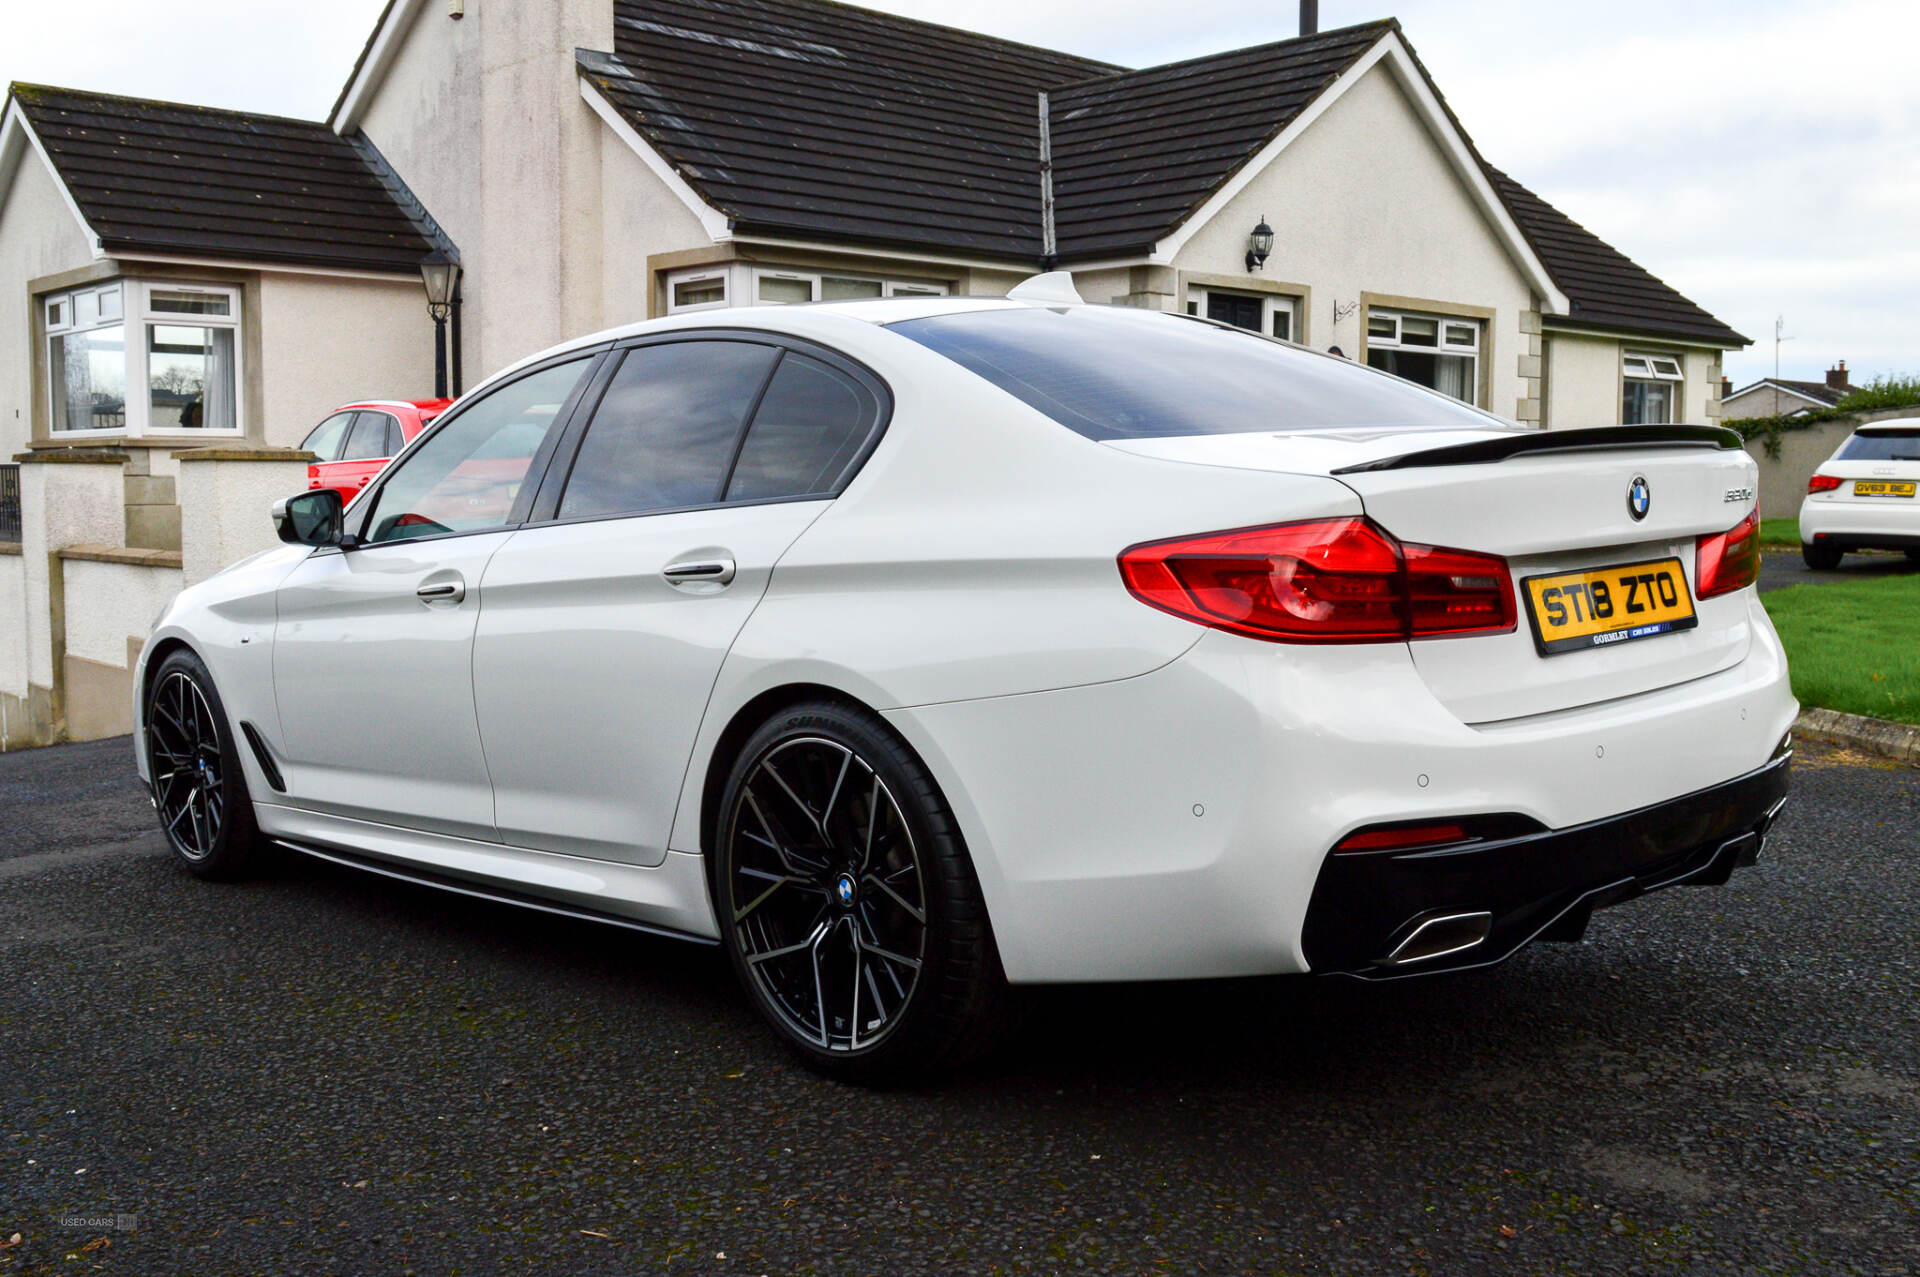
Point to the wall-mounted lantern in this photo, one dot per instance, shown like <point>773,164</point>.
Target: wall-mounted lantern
<point>1259,244</point>
<point>440,275</point>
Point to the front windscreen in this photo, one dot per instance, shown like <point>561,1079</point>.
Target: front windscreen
<point>1115,373</point>
<point>1882,445</point>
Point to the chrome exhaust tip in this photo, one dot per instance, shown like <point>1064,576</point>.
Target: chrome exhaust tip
<point>1440,936</point>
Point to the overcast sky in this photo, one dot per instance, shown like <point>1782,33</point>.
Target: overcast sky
<point>1761,156</point>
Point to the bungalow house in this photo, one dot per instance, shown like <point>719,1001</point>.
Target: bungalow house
<point>191,290</point>
<point>1780,397</point>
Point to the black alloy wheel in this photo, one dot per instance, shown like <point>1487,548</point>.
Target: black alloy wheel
<point>848,904</point>
<point>198,787</point>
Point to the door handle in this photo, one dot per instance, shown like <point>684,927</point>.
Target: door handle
<point>714,571</point>
<point>442,592</point>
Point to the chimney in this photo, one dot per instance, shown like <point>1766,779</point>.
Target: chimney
<point>1837,377</point>
<point>1309,17</point>
<point>1726,387</point>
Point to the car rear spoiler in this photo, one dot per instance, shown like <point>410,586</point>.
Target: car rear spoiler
<point>1487,451</point>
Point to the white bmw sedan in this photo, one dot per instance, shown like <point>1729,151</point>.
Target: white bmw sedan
<point>918,649</point>
<point>1863,496</point>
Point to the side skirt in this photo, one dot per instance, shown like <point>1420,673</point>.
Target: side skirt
<point>497,895</point>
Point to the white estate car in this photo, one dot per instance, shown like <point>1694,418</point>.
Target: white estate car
<point>1862,497</point>
<point>915,649</point>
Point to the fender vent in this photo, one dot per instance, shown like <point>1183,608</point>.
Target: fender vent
<point>263,757</point>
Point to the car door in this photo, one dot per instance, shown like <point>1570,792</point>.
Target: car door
<point>373,648</point>
<point>604,626</point>
<point>325,442</point>
<point>368,449</point>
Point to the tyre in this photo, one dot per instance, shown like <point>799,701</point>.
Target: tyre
<point>199,788</point>
<point>1821,558</point>
<point>848,903</point>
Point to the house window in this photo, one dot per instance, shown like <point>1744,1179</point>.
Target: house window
<point>190,342</point>
<point>1651,388</point>
<point>1262,313</point>
<point>144,358</point>
<point>770,286</point>
<point>86,361</point>
<point>1436,351</point>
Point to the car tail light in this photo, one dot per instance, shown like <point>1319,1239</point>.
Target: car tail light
<point>1323,581</point>
<point>1822,483</point>
<point>1730,561</point>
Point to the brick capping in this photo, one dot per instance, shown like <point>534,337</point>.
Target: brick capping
<point>73,457</point>
<point>243,453</point>
<point>9,547</point>
<point>121,554</point>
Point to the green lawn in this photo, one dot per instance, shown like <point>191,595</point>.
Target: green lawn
<point>1853,646</point>
<point>1780,534</point>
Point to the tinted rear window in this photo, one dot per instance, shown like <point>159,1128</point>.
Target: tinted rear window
<point>1882,445</point>
<point>1115,373</point>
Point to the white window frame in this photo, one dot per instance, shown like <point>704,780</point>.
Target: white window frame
<point>134,298</point>
<point>1658,368</point>
<point>741,285</point>
<point>62,319</point>
<point>699,277</point>
<point>1444,344</point>
<point>1273,305</point>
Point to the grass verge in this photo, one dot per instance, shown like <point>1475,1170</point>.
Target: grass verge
<point>1851,644</point>
<point>1780,534</point>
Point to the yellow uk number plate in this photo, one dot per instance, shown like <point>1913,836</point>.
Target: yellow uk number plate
<point>1573,611</point>
<point>1882,488</point>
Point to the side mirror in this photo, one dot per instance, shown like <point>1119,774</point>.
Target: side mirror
<point>310,518</point>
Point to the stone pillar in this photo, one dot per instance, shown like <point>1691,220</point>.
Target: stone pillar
<point>226,500</point>
<point>68,496</point>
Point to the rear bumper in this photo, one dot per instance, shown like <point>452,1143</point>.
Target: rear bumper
<point>1369,910</point>
<point>1892,524</point>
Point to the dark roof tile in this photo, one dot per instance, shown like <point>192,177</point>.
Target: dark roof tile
<point>1606,289</point>
<point>158,177</point>
<point>1136,154</point>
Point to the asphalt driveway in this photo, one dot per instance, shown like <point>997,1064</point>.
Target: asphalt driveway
<point>323,1073</point>
<point>1780,568</point>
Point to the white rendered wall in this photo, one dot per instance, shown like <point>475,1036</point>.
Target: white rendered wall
<point>62,504</point>
<point>225,510</point>
<point>13,627</point>
<point>39,236</point>
<point>325,342</point>
<point>110,603</point>
<point>483,119</point>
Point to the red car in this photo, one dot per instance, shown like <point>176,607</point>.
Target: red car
<point>357,441</point>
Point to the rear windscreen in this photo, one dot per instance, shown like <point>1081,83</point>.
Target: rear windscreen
<point>1114,373</point>
<point>1882,445</point>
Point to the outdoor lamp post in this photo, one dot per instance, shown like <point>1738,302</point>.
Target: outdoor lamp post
<point>440,274</point>
<point>1259,244</point>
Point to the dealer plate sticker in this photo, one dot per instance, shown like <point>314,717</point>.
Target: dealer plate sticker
<point>1883,488</point>
<point>1598,607</point>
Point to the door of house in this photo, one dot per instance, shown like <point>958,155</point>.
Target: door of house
<point>1232,308</point>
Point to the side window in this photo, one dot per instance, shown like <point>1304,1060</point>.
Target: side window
<point>328,436</point>
<point>809,428</point>
<point>465,477</point>
<point>666,430</point>
<point>395,439</point>
<point>369,438</point>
